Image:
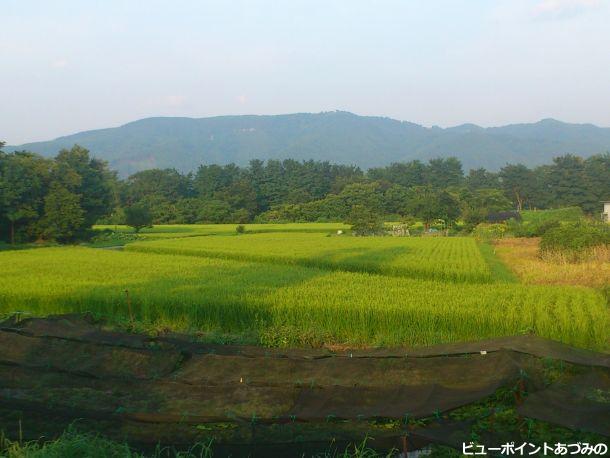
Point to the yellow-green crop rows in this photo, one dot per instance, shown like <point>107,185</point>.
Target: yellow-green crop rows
<point>281,304</point>
<point>441,258</point>
<point>190,230</point>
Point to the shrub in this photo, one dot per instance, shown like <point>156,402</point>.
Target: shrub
<point>575,239</point>
<point>240,229</point>
<point>534,223</point>
<point>488,232</point>
<point>543,227</point>
<point>531,229</point>
<point>110,237</point>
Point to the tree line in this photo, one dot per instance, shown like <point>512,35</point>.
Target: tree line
<point>61,198</point>
<point>53,199</point>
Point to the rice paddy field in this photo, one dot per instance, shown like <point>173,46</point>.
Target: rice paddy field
<point>173,231</point>
<point>295,287</point>
<point>438,258</point>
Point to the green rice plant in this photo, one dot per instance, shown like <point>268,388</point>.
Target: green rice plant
<point>440,258</point>
<point>166,231</point>
<point>292,305</point>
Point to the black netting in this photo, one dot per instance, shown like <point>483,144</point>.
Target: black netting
<point>176,390</point>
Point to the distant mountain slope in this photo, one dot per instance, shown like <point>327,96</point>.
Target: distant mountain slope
<point>339,137</point>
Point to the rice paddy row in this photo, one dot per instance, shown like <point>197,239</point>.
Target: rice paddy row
<point>166,231</point>
<point>278,305</point>
<point>439,258</point>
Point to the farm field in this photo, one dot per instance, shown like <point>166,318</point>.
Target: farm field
<point>193,230</point>
<point>276,304</point>
<point>439,258</point>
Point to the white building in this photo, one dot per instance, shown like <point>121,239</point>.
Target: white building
<point>606,212</point>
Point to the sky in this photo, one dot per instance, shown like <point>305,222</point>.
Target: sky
<point>72,65</point>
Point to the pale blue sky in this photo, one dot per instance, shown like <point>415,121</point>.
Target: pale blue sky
<point>72,65</point>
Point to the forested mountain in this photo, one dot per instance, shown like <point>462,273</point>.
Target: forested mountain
<point>339,137</point>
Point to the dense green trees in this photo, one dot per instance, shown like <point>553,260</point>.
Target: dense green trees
<point>24,180</point>
<point>568,181</point>
<point>228,193</point>
<point>476,204</point>
<point>364,221</point>
<point>52,199</point>
<point>429,204</point>
<point>64,215</point>
<point>61,198</point>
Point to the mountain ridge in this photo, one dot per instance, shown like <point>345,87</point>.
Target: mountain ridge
<point>337,136</point>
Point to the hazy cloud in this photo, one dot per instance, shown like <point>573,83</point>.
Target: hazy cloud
<point>562,9</point>
<point>59,63</point>
<point>175,100</point>
<point>241,99</point>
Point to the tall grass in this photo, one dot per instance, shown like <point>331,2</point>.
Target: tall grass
<point>523,256</point>
<point>439,258</point>
<point>74,444</point>
<point>280,305</point>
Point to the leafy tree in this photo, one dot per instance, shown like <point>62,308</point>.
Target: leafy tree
<point>211,179</point>
<point>364,221</point>
<point>63,214</point>
<point>240,216</point>
<point>96,181</point>
<point>167,184</point>
<point>187,210</point>
<point>518,183</point>
<point>540,194</point>
<point>368,195</point>
<point>405,174</point>
<point>396,200</point>
<point>343,176</point>
<point>214,211</point>
<point>138,216</point>
<point>23,183</point>
<point>429,205</point>
<point>442,173</point>
<point>88,178</point>
<point>597,175</point>
<point>477,204</point>
<point>482,179</point>
<point>567,182</point>
<point>163,211</point>
<point>241,196</point>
